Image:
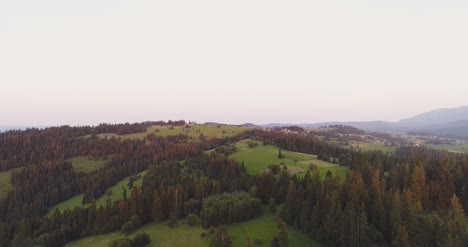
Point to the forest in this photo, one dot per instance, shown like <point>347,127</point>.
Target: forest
<point>416,196</point>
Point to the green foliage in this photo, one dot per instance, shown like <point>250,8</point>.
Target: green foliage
<point>221,238</point>
<point>192,206</point>
<point>280,154</point>
<point>172,222</point>
<point>5,182</point>
<point>274,169</point>
<point>131,225</point>
<point>226,149</point>
<point>88,197</point>
<point>122,242</point>
<point>117,192</point>
<point>228,208</point>
<point>193,220</point>
<point>86,164</point>
<point>252,144</point>
<point>140,240</point>
<point>283,234</point>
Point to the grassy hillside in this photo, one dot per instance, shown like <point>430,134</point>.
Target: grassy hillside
<point>161,235</point>
<point>262,228</point>
<point>114,193</point>
<point>456,147</point>
<point>193,131</point>
<point>5,185</point>
<point>257,159</point>
<point>372,146</point>
<point>86,165</point>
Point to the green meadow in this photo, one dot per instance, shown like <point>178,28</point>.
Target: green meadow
<point>370,146</point>
<point>193,131</point>
<point>456,147</point>
<point>257,159</point>
<point>85,165</point>
<point>262,228</point>
<point>114,193</point>
<point>5,182</point>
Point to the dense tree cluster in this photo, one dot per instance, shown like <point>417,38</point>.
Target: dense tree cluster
<point>343,129</point>
<point>226,149</point>
<point>140,240</point>
<point>229,208</point>
<point>290,128</point>
<point>33,146</point>
<point>405,205</point>
<point>220,238</point>
<point>48,179</point>
<point>298,143</point>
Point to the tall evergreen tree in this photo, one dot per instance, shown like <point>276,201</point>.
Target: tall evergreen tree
<point>283,234</point>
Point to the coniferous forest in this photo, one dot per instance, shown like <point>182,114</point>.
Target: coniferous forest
<point>416,196</point>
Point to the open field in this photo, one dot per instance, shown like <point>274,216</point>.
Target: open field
<point>116,193</point>
<point>161,235</point>
<point>373,146</point>
<point>193,131</point>
<point>85,165</point>
<point>257,159</point>
<point>456,147</point>
<point>5,185</point>
<point>262,228</point>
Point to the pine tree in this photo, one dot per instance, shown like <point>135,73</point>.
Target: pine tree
<point>402,237</point>
<point>221,238</point>
<point>283,234</point>
<point>330,220</point>
<point>350,224</point>
<point>156,211</point>
<point>290,207</point>
<point>363,229</point>
<point>280,154</point>
<point>418,183</point>
<point>395,216</point>
<point>315,221</point>
<point>456,225</point>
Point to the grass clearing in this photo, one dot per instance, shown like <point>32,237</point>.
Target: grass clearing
<point>455,147</point>
<point>85,165</point>
<point>257,159</point>
<point>262,228</point>
<point>193,131</point>
<point>5,182</point>
<point>114,193</point>
<point>161,235</point>
<point>368,146</point>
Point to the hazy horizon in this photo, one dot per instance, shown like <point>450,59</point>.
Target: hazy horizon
<point>88,62</point>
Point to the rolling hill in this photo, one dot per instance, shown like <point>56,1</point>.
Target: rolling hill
<point>450,122</point>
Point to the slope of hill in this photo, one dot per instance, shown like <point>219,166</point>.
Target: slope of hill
<point>436,117</point>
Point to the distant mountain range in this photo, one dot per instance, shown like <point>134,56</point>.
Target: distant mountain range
<point>450,122</point>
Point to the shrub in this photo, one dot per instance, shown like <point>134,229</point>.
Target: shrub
<point>140,240</point>
<point>229,208</point>
<point>193,220</point>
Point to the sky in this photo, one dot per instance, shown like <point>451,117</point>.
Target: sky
<point>92,61</point>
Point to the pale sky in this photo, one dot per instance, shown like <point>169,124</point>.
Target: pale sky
<point>91,61</point>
